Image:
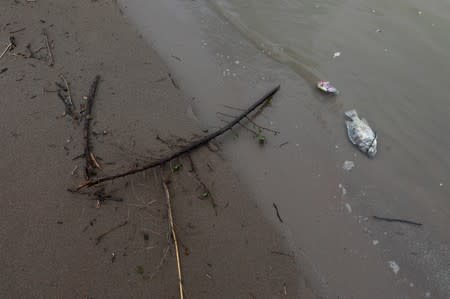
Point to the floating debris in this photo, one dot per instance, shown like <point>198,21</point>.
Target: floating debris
<point>336,54</point>
<point>326,86</point>
<point>361,134</point>
<point>343,190</point>
<point>393,265</point>
<point>348,165</point>
<point>349,208</point>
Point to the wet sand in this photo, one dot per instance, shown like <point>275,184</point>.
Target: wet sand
<point>50,246</point>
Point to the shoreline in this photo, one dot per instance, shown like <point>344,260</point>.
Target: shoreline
<point>327,211</point>
<point>61,244</point>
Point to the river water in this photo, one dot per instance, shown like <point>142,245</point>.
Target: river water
<point>391,61</point>
<point>394,63</point>
<point>393,68</point>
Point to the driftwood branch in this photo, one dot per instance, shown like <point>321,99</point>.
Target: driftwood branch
<point>91,162</point>
<point>187,149</point>
<point>174,236</point>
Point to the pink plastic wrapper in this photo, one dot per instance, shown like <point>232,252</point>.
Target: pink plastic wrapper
<point>326,86</point>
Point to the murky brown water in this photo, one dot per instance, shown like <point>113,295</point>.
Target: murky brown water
<point>394,63</point>
<point>393,68</point>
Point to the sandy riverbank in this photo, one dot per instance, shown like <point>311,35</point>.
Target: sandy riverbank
<point>48,247</point>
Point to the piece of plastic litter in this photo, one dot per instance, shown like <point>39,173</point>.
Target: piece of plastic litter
<point>395,268</point>
<point>348,165</point>
<point>326,86</point>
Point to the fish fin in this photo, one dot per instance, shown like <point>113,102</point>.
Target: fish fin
<point>352,114</point>
<point>349,131</point>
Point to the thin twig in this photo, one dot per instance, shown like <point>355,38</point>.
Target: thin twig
<point>100,237</point>
<point>234,108</point>
<point>274,252</point>
<point>161,262</point>
<point>277,212</point>
<point>74,169</point>
<point>50,58</point>
<point>6,50</point>
<point>173,81</point>
<point>89,157</point>
<point>245,127</point>
<point>397,220</point>
<point>174,236</point>
<point>276,132</point>
<point>18,30</point>
<point>187,149</point>
<point>94,160</point>
<point>69,94</point>
<point>205,189</point>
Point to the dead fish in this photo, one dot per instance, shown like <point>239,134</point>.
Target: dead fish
<point>361,134</point>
